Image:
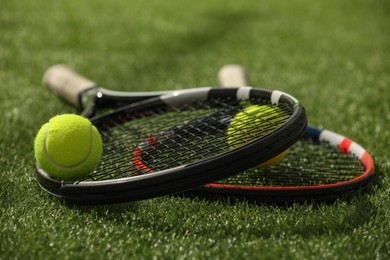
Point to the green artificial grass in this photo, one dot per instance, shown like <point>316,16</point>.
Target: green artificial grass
<point>332,55</point>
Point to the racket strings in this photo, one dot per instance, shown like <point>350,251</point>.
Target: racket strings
<point>256,121</point>
<point>206,137</point>
<point>306,164</point>
<point>147,141</point>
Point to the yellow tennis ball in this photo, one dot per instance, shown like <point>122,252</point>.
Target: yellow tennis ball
<point>275,160</point>
<point>68,147</point>
<point>254,122</point>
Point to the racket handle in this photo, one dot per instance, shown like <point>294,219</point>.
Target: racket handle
<point>67,83</point>
<point>233,75</point>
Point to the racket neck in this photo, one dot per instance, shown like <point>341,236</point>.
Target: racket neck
<point>87,101</point>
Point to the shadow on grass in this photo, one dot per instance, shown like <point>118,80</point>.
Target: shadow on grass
<point>184,215</point>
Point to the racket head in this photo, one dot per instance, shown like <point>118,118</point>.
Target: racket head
<point>117,179</point>
<point>321,166</point>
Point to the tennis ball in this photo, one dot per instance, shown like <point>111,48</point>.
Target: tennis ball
<point>68,147</point>
<point>273,161</point>
<point>253,122</point>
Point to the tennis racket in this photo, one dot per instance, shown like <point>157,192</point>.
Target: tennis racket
<point>322,165</point>
<point>158,143</point>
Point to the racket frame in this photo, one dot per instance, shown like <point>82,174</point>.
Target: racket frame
<point>291,194</point>
<point>180,178</point>
<point>236,75</point>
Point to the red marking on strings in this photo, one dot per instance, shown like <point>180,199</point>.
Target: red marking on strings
<point>138,153</point>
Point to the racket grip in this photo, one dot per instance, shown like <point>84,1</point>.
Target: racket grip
<point>67,83</point>
<point>233,75</point>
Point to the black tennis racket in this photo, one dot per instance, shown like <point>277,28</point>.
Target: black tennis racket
<point>322,165</point>
<point>158,143</point>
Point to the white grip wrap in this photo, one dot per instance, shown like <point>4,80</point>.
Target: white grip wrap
<point>65,82</point>
<point>233,75</point>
